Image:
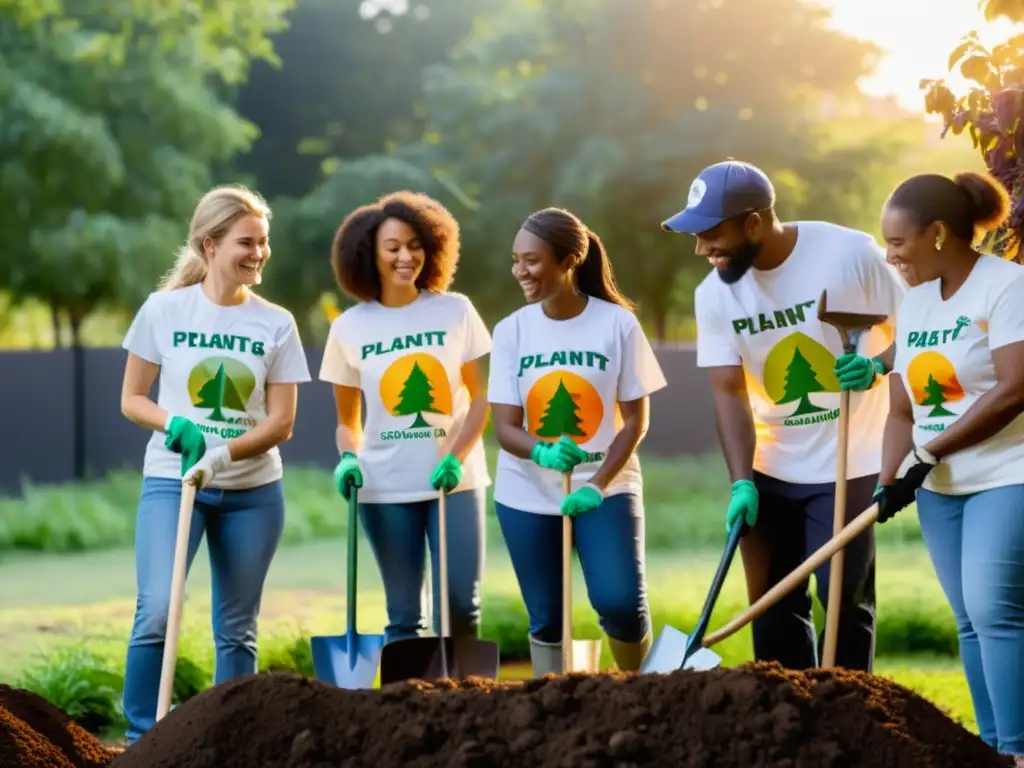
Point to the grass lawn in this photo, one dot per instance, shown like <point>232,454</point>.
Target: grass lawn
<point>50,600</point>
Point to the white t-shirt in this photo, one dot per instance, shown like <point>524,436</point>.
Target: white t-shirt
<point>408,363</point>
<point>568,376</point>
<point>944,357</point>
<point>768,322</point>
<point>215,362</point>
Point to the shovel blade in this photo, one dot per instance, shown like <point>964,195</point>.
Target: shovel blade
<point>669,654</point>
<point>353,665</point>
<point>586,656</point>
<point>420,658</point>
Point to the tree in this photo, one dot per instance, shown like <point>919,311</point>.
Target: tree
<point>416,397</point>
<point>219,392</point>
<point>800,382</point>
<point>936,397</point>
<point>114,124</point>
<point>211,394</point>
<point>991,111</point>
<point>561,416</point>
<point>610,110</point>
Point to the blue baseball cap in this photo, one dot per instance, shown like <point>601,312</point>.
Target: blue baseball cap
<point>721,191</point>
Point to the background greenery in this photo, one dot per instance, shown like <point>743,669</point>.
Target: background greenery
<point>67,588</point>
<point>118,114</point>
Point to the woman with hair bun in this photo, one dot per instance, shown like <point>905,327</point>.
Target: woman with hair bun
<point>570,381</point>
<point>954,438</point>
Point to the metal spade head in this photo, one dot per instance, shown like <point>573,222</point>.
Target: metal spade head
<point>672,650</point>
<point>347,661</point>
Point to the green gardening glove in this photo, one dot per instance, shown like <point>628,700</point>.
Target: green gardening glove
<point>562,456</point>
<point>742,505</point>
<point>447,474</point>
<point>857,372</point>
<point>348,475</point>
<point>183,436</point>
<point>584,499</point>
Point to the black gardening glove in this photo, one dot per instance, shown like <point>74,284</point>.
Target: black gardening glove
<point>909,477</point>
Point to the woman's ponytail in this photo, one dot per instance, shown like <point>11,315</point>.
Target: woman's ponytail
<point>594,275</point>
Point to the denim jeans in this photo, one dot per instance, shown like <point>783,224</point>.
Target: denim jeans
<point>399,535</point>
<point>794,520</point>
<point>610,544</point>
<point>976,543</point>
<point>242,532</point>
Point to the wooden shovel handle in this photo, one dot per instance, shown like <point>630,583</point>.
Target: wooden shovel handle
<point>188,500</point>
<point>858,525</point>
<point>566,579</point>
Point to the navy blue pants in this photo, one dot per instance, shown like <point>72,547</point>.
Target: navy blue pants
<point>794,520</point>
<point>610,545</point>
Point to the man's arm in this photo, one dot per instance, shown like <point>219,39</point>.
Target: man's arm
<point>734,420</point>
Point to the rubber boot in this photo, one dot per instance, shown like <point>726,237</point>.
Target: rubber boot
<point>629,656</point>
<point>546,658</point>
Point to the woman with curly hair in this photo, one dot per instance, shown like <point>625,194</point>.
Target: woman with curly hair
<point>413,349</point>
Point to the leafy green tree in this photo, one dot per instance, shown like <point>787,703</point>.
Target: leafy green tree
<point>608,110</point>
<point>114,123</point>
<point>991,112</point>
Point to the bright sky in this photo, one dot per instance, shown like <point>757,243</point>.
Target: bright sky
<point>917,35</point>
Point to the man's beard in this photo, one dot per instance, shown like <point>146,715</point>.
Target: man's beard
<point>739,261</point>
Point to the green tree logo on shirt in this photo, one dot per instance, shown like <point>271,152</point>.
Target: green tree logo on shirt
<point>801,382</point>
<point>219,383</point>
<point>561,416</point>
<point>935,397</point>
<point>416,397</point>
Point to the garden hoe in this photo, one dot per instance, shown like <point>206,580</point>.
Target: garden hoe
<point>170,660</point>
<point>444,657</point>
<point>674,649</point>
<point>857,526</point>
<point>850,326</point>
<point>350,660</point>
<point>577,655</point>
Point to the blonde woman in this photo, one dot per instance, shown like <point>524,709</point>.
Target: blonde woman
<point>229,363</point>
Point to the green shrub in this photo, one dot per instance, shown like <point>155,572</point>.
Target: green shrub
<point>85,685</point>
<point>684,497</point>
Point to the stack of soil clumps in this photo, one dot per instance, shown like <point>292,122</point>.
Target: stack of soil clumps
<point>36,734</point>
<point>756,715</point>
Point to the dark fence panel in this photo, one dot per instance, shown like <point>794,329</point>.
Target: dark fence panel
<point>37,425</point>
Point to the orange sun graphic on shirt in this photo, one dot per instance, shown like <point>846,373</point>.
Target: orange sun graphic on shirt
<point>563,403</point>
<point>933,381</point>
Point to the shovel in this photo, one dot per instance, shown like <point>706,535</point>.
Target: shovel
<point>350,660</point>
<point>856,527</point>
<point>445,657</point>
<point>577,655</point>
<point>170,660</point>
<point>850,326</point>
<point>674,649</point>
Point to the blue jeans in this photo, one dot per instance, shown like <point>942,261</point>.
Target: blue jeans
<point>242,531</point>
<point>610,544</point>
<point>399,535</point>
<point>976,543</point>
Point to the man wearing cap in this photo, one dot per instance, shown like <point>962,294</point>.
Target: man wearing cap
<point>776,372</point>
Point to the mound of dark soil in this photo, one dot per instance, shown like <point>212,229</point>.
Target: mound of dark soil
<point>36,734</point>
<point>756,715</point>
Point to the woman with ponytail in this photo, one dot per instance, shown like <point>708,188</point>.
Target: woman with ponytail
<point>570,378</point>
<point>954,439</point>
<point>229,364</point>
